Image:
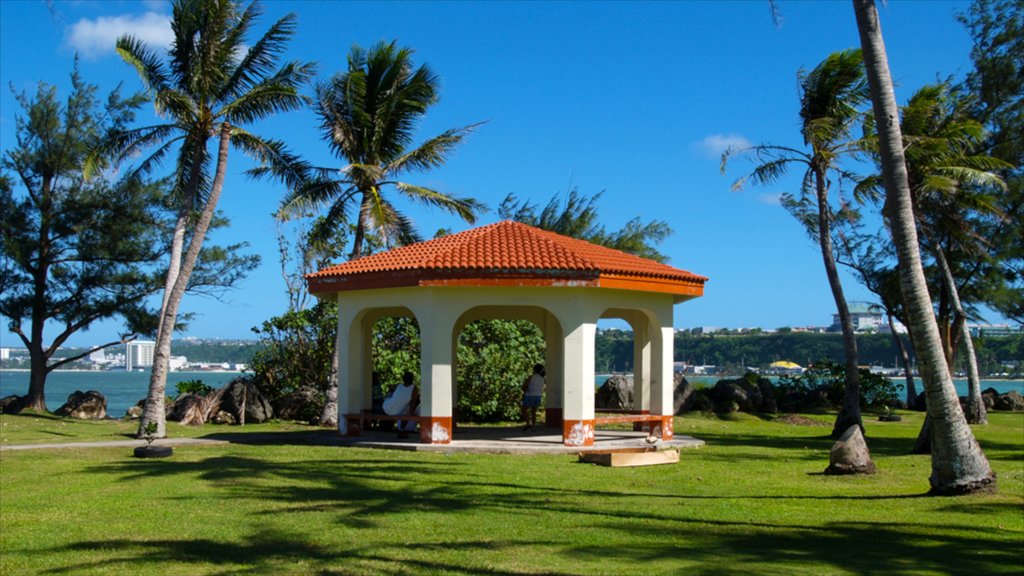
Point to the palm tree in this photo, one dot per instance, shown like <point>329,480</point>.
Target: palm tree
<point>949,187</point>
<point>368,114</point>
<point>958,463</point>
<point>831,96</point>
<point>210,85</point>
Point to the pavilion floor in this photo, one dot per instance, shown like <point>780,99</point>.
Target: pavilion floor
<point>508,440</point>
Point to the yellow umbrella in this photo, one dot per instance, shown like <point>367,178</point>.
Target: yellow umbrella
<point>786,364</point>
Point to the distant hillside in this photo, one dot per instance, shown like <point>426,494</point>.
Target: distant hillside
<point>232,351</point>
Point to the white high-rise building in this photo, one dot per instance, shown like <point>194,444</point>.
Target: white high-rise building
<point>139,354</point>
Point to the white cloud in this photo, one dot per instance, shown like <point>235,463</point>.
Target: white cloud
<point>773,199</point>
<point>95,38</point>
<point>712,146</point>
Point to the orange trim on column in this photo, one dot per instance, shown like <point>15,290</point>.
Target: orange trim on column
<point>435,429</point>
<point>666,427</point>
<point>578,432</point>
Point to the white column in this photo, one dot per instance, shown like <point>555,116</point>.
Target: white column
<point>353,351</point>
<point>437,323</point>
<point>578,382</point>
<point>662,343</point>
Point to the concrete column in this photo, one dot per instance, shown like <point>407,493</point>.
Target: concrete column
<point>578,381</point>
<point>436,357</point>
<point>353,350</point>
<point>554,368</point>
<point>641,364</point>
<point>661,376</point>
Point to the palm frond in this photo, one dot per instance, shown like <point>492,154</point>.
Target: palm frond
<point>145,61</point>
<point>431,154</point>
<point>274,157</point>
<point>465,208</point>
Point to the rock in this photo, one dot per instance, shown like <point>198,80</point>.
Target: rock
<point>89,405</point>
<point>746,396</point>
<point>768,404</point>
<point>989,401</point>
<point>13,404</point>
<point>615,394</point>
<point>1011,401</point>
<point>817,398</point>
<point>190,409</point>
<point>682,394</point>
<point>135,412</point>
<point>242,391</point>
<point>920,403</point>
<point>850,455</point>
<point>223,417</point>
<point>304,404</point>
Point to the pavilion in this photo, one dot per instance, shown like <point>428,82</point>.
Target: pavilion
<point>510,270</point>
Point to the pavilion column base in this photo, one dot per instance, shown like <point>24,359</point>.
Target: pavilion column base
<point>578,432</point>
<point>552,417</point>
<point>436,429</point>
<point>662,429</point>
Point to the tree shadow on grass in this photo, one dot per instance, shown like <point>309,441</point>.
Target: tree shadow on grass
<point>276,552</point>
<point>850,547</point>
<point>375,493</point>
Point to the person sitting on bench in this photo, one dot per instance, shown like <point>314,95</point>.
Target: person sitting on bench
<point>403,400</point>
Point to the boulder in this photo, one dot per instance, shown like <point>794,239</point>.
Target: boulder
<point>683,398</point>
<point>135,412</point>
<point>13,404</point>
<point>745,396</point>
<point>190,409</point>
<point>1011,401</point>
<point>243,392</point>
<point>850,455</point>
<point>304,404</point>
<point>615,394</point>
<point>768,404</point>
<point>89,405</point>
<point>223,417</point>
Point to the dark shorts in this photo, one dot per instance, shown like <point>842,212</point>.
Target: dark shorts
<point>531,401</point>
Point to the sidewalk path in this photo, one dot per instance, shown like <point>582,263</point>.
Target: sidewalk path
<point>115,444</point>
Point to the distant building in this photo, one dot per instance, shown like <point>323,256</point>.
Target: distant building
<point>994,330</point>
<point>867,317</point>
<point>5,353</point>
<point>177,362</point>
<point>139,354</point>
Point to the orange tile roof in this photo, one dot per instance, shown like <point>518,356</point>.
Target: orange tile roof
<point>499,251</point>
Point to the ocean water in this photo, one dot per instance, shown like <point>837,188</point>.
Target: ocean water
<point>1001,386</point>
<point>124,389</point>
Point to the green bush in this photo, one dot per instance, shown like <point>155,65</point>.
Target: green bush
<point>876,391</point>
<point>197,387</point>
<point>494,358</point>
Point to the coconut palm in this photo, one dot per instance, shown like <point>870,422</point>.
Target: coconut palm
<point>368,115</point>
<point>958,463</point>
<point>830,99</point>
<point>950,186</point>
<point>210,85</point>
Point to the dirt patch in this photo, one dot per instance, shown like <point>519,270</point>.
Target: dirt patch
<point>798,420</point>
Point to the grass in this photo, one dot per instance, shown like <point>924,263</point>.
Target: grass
<point>753,501</point>
<point>32,427</point>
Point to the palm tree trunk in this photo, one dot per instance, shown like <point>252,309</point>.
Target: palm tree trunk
<point>958,463</point>
<point>975,412</point>
<point>850,413</point>
<point>154,410</point>
<point>185,207</point>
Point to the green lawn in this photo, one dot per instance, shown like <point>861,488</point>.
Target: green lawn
<point>753,501</point>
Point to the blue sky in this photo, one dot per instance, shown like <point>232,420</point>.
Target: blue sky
<point>635,99</point>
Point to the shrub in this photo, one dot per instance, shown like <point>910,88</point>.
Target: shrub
<point>197,387</point>
<point>875,390</point>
